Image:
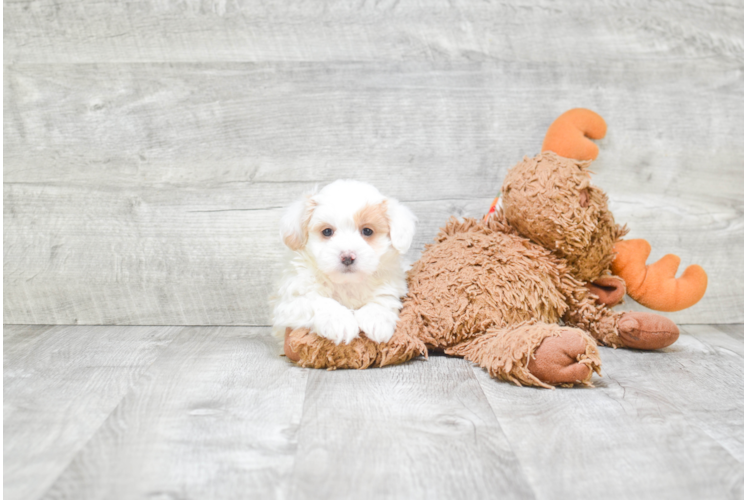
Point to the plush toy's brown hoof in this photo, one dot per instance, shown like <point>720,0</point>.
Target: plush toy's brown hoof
<point>608,290</point>
<point>648,331</point>
<point>557,360</point>
<point>290,353</point>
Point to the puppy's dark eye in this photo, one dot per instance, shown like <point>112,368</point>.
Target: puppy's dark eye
<point>327,232</point>
<point>367,232</point>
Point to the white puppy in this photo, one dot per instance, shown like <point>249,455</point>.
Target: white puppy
<point>344,275</point>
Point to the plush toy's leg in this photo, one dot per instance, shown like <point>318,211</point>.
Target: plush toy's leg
<point>647,331</point>
<point>288,350</point>
<point>538,354</point>
<point>312,351</point>
<point>637,330</point>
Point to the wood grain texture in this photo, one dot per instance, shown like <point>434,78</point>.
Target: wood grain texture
<point>149,145</point>
<point>215,417</point>
<point>462,30</point>
<point>59,385</point>
<point>744,339</point>
<point>735,330</point>
<point>664,424</point>
<point>172,217</point>
<point>215,412</point>
<point>418,430</point>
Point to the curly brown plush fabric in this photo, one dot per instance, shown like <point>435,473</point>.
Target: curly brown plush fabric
<point>549,199</point>
<point>477,276</point>
<point>482,275</point>
<point>506,352</point>
<point>318,352</point>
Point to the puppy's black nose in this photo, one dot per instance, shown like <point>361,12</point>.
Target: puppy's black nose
<point>348,258</point>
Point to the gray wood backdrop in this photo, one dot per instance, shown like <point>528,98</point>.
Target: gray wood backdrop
<point>149,146</point>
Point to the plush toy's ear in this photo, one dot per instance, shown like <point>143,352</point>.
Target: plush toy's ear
<point>569,135</point>
<point>294,227</point>
<point>402,225</point>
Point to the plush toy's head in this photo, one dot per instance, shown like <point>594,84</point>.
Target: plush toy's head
<point>550,200</point>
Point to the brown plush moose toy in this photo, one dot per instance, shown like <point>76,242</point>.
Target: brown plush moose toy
<point>527,292</point>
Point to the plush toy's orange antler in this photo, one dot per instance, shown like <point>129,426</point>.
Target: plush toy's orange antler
<point>569,135</point>
<point>655,286</point>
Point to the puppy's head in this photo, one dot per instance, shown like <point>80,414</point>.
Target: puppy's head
<point>347,228</point>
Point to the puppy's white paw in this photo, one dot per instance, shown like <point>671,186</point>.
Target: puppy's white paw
<point>335,322</point>
<point>377,322</point>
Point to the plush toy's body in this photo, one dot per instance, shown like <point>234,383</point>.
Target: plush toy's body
<point>496,291</point>
<point>503,299</point>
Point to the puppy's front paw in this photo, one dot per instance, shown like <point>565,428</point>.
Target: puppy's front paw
<point>377,322</point>
<point>335,322</point>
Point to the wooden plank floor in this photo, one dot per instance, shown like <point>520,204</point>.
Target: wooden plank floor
<point>116,412</point>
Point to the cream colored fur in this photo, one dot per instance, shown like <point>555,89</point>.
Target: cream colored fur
<point>318,290</point>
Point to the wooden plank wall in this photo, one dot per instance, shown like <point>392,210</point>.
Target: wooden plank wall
<point>149,146</point>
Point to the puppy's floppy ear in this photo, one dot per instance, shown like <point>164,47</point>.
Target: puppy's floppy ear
<point>294,226</point>
<point>402,225</point>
